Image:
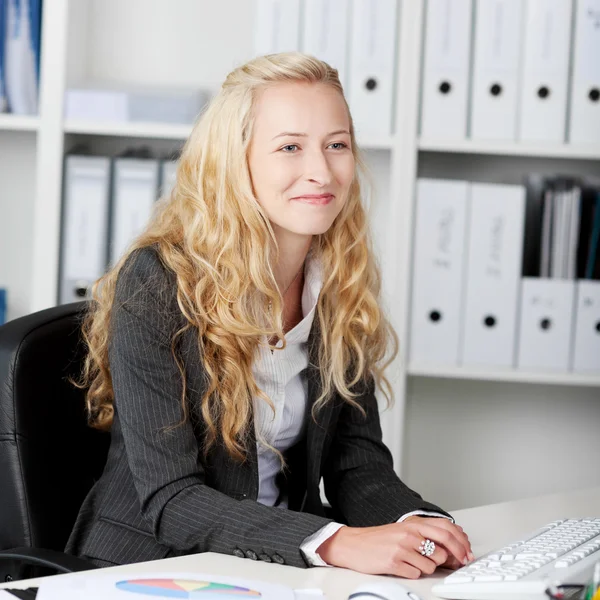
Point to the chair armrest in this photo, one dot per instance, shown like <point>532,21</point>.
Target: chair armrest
<point>59,561</point>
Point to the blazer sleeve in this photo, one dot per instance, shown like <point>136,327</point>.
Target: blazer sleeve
<point>183,512</point>
<point>358,475</point>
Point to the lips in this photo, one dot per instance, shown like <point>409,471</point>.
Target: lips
<point>318,199</point>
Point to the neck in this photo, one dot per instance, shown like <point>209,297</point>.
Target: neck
<point>292,254</point>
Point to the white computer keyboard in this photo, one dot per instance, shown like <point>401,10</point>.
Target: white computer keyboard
<point>564,551</point>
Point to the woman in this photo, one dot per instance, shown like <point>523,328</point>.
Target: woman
<point>234,353</point>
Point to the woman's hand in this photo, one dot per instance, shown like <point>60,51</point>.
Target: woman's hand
<point>394,549</point>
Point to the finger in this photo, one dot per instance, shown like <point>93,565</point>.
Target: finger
<point>439,556</point>
<point>452,563</point>
<point>448,539</point>
<point>426,564</point>
<point>405,570</point>
<point>405,552</point>
<point>456,530</point>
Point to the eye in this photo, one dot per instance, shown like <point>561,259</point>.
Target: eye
<point>339,144</point>
<point>289,146</point>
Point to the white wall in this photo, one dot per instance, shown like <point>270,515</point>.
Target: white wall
<point>473,443</point>
<point>17,189</point>
<point>160,46</point>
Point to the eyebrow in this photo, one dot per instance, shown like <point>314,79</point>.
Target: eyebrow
<point>296,134</point>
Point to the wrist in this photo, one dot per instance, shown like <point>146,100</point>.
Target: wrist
<point>331,550</point>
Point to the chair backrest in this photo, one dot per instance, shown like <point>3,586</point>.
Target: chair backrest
<point>49,456</point>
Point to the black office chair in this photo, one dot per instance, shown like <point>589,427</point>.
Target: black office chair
<point>49,457</point>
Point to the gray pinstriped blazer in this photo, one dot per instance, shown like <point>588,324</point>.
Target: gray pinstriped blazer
<point>158,497</point>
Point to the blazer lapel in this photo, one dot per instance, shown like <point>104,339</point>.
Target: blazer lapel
<point>316,430</point>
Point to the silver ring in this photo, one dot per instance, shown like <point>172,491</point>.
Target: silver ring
<point>427,547</point>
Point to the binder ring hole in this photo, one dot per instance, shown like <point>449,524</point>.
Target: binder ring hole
<point>490,321</point>
<point>445,87</point>
<point>435,316</point>
<point>546,324</point>
<point>81,291</point>
<point>371,84</point>
<point>543,92</point>
<point>496,89</point>
<point>594,94</point>
<point>598,327</point>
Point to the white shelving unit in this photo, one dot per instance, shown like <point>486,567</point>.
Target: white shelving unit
<point>510,375</point>
<point>18,123</point>
<point>163,43</point>
<point>512,149</point>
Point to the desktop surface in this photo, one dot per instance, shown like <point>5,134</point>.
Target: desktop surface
<point>489,527</point>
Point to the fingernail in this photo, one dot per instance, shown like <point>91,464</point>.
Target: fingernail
<point>465,560</point>
<point>471,556</point>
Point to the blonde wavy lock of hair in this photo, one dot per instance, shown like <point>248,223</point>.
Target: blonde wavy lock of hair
<point>212,233</point>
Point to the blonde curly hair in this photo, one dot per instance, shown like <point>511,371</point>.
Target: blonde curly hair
<point>212,233</point>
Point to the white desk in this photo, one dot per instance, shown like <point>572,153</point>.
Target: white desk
<point>488,528</point>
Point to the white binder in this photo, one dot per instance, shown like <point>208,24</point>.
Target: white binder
<point>438,271</point>
<point>84,247</point>
<point>168,176</point>
<point>134,192</point>
<point>544,83</point>
<point>22,54</point>
<point>445,90</point>
<point>495,70</point>
<point>277,27</point>
<point>493,274</point>
<point>586,343</point>
<point>545,324</point>
<point>584,127</point>
<point>325,32</point>
<point>372,65</point>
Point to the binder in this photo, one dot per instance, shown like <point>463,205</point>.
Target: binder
<point>86,192</point>
<point>546,324</point>
<point>544,82</point>
<point>3,98</point>
<point>3,309</point>
<point>372,65</point>
<point>535,190</point>
<point>168,176</point>
<point>586,344</point>
<point>438,270</point>
<point>22,55</point>
<point>495,70</point>
<point>445,92</point>
<point>325,32</point>
<point>277,27</point>
<point>493,274</point>
<point>134,192</point>
<point>584,122</point>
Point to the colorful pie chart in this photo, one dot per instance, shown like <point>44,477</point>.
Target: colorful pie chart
<point>186,588</point>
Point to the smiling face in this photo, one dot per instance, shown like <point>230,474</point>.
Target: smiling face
<point>300,157</point>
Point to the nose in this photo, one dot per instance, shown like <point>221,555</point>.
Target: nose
<point>317,168</point>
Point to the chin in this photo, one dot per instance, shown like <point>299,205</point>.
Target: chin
<point>311,229</point>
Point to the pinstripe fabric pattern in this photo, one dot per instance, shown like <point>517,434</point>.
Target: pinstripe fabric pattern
<point>158,497</point>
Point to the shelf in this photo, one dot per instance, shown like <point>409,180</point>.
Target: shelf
<point>181,132</point>
<point>565,151</point>
<point>9,122</point>
<point>512,375</point>
<point>165,131</point>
